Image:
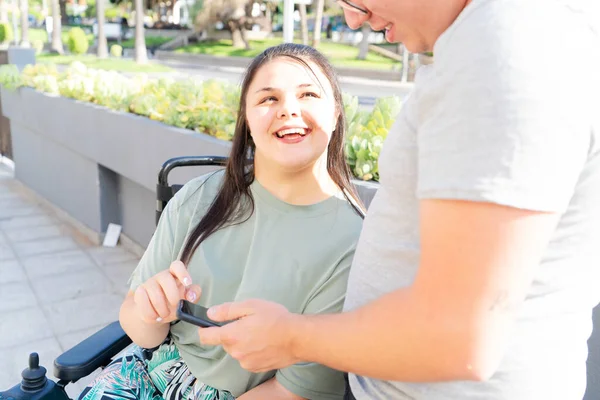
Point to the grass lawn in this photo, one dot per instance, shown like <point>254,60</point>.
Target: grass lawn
<point>340,55</point>
<point>114,64</point>
<point>151,41</point>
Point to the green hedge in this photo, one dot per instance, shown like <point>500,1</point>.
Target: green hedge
<point>6,33</point>
<point>77,41</point>
<point>208,107</point>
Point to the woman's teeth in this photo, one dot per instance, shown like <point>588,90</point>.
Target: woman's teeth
<point>291,131</point>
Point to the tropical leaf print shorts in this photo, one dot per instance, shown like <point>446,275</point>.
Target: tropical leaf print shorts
<point>163,376</point>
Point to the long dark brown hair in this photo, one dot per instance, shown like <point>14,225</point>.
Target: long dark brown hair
<point>234,203</point>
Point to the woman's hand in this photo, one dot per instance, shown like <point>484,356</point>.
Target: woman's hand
<point>262,337</point>
<point>157,299</point>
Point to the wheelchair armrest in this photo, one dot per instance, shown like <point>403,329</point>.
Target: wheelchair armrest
<point>94,352</point>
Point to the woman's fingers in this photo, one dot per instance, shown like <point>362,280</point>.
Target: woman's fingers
<point>173,292</point>
<point>142,301</point>
<point>180,272</point>
<point>157,298</point>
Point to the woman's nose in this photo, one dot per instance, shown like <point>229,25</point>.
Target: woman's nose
<point>289,108</point>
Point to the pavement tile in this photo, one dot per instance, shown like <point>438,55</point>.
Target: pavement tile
<point>57,263</point>
<point>119,275</point>
<point>19,211</point>
<point>69,340</point>
<point>84,312</point>
<point>16,359</point>
<point>43,246</point>
<point>27,221</point>
<point>16,296</point>
<point>72,285</point>
<point>27,234</point>
<point>6,252</point>
<point>7,194</point>
<point>110,255</point>
<point>11,271</point>
<point>14,201</point>
<point>23,326</point>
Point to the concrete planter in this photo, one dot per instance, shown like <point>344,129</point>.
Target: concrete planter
<point>101,166</point>
<point>97,165</point>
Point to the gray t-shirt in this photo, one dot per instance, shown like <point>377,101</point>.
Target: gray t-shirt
<point>509,113</point>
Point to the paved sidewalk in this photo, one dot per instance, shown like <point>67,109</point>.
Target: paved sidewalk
<point>56,287</point>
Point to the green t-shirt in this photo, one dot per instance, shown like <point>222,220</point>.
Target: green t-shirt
<point>298,256</point>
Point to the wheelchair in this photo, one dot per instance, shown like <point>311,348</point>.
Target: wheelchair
<point>98,350</point>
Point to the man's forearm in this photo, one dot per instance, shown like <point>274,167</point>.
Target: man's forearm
<point>389,338</point>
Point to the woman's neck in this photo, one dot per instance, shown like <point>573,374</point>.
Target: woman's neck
<point>305,187</point>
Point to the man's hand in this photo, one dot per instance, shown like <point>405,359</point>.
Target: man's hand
<point>262,337</point>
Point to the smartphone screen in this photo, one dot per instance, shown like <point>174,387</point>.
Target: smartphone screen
<point>195,314</point>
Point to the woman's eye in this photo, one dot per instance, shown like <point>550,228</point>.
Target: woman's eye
<point>310,94</point>
<point>268,99</point>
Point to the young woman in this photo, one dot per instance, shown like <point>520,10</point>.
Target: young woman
<point>281,227</point>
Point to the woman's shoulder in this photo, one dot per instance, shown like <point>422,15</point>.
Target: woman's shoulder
<point>347,220</point>
<point>202,189</point>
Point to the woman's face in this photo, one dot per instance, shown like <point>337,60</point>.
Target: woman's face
<point>291,114</point>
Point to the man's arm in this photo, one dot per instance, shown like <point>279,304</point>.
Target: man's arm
<point>270,389</point>
<point>477,261</point>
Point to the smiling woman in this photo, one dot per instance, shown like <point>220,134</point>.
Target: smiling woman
<point>255,229</point>
<point>291,115</point>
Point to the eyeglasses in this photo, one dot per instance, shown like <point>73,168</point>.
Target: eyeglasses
<point>348,5</point>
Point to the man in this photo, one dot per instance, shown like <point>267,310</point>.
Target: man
<point>477,268</point>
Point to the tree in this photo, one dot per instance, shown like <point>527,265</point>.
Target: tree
<point>3,12</point>
<point>363,48</point>
<point>303,23</point>
<point>56,44</point>
<point>232,13</point>
<point>318,21</point>
<point>25,23</point>
<point>141,54</point>
<point>63,12</point>
<point>102,51</point>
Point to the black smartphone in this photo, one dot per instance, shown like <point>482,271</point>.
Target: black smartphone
<point>195,314</point>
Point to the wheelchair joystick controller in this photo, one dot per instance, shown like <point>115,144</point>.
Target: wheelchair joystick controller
<point>34,384</point>
<point>34,377</point>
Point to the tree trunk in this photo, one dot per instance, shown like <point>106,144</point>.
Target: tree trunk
<point>3,12</point>
<point>102,51</point>
<point>141,54</point>
<point>318,21</point>
<point>25,23</point>
<point>405,62</point>
<point>63,12</point>
<point>363,47</point>
<point>238,34</point>
<point>56,44</point>
<point>14,20</point>
<point>303,23</point>
<point>269,18</point>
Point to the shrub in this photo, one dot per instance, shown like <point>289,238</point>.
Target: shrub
<point>10,78</point>
<point>116,50</point>
<point>77,41</point>
<point>6,33</point>
<point>203,106</point>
